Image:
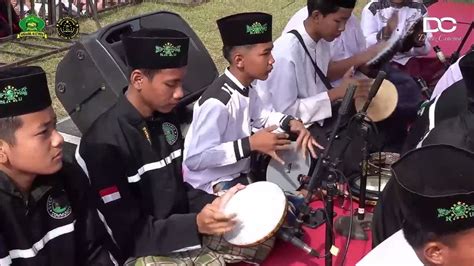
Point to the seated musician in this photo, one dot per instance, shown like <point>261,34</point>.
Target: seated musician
<point>449,120</point>
<point>132,157</point>
<point>294,87</point>
<point>349,50</point>
<point>42,199</point>
<point>436,198</point>
<point>382,18</point>
<point>219,141</point>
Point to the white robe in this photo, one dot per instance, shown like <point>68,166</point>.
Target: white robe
<point>351,41</point>
<point>216,148</point>
<point>292,87</point>
<point>394,251</point>
<point>372,23</point>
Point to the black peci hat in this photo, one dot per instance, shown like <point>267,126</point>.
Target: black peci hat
<point>436,188</point>
<point>156,49</point>
<point>245,29</point>
<point>23,90</point>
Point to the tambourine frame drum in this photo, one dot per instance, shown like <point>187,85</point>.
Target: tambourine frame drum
<point>261,210</point>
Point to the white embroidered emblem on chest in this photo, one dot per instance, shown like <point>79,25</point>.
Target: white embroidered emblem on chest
<point>171,133</point>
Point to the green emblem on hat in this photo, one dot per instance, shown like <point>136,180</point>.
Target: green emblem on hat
<point>11,94</point>
<point>257,28</point>
<point>32,25</point>
<point>458,211</point>
<point>171,133</point>
<point>168,50</point>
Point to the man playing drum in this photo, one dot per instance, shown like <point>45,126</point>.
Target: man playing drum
<point>219,141</point>
<point>349,50</point>
<point>132,157</point>
<point>382,18</point>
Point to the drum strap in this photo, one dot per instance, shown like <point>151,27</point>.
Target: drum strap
<point>318,71</point>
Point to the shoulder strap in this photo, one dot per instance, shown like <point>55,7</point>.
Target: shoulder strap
<point>318,71</point>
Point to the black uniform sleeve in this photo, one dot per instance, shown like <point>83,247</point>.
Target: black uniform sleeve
<point>135,233</point>
<point>198,198</point>
<point>93,245</point>
<point>4,256</point>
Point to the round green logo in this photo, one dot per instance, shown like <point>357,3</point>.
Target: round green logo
<point>171,133</point>
<point>57,209</point>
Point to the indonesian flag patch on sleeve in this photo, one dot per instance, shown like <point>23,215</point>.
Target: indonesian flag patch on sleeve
<point>109,194</point>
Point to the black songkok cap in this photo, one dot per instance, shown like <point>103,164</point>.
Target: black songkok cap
<point>156,49</point>
<point>245,29</point>
<point>23,90</point>
<point>345,3</point>
<point>437,188</point>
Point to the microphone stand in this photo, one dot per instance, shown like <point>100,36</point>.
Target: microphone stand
<point>361,126</point>
<point>326,167</point>
<point>457,53</point>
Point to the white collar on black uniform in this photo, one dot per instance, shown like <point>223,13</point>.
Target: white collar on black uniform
<point>242,89</point>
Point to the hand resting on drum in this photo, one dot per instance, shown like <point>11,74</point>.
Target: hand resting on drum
<point>211,220</point>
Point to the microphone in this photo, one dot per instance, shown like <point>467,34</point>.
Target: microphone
<point>440,56</point>
<point>288,237</point>
<point>346,101</point>
<point>374,89</point>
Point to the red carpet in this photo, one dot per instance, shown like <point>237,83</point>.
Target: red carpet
<point>286,254</point>
<point>463,13</point>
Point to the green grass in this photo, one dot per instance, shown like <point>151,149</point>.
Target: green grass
<point>201,18</point>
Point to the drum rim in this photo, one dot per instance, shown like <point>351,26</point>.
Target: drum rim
<point>371,195</point>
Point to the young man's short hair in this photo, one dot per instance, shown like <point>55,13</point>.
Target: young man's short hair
<point>8,127</point>
<point>326,7</point>
<point>417,235</point>
<point>148,73</point>
<point>227,51</point>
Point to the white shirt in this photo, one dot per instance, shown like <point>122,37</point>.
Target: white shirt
<point>216,147</point>
<point>293,87</point>
<point>351,41</point>
<point>394,251</point>
<point>375,16</point>
<point>452,75</point>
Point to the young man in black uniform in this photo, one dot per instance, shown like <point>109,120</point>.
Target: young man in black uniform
<point>45,219</point>
<point>132,156</point>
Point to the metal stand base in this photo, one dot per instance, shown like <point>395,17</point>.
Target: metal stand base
<point>359,227</point>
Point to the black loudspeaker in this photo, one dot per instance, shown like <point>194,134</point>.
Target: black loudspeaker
<point>93,74</point>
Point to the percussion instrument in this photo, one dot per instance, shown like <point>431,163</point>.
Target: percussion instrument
<point>396,43</point>
<point>375,186</point>
<point>378,174</point>
<point>286,176</point>
<point>261,210</point>
<point>383,104</point>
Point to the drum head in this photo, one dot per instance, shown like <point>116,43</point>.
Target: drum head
<point>286,176</point>
<point>260,208</point>
<point>383,104</point>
